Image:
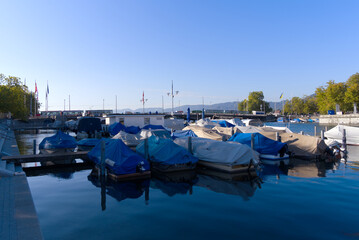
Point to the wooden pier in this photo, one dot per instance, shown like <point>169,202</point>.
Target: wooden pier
<point>56,157</point>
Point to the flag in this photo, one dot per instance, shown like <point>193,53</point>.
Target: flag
<point>281,96</point>
<point>35,88</point>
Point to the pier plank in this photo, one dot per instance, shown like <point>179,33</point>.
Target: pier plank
<point>58,157</point>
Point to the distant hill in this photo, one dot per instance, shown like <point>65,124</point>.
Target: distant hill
<point>217,106</point>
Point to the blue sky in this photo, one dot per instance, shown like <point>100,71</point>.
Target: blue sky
<point>215,50</point>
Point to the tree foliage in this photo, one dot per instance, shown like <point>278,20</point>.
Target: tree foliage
<point>255,102</point>
<point>15,97</point>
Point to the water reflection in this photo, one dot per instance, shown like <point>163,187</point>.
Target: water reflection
<point>175,182</point>
<point>240,184</point>
<point>120,190</point>
<point>300,168</point>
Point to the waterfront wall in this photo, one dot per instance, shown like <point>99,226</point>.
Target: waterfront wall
<point>347,119</point>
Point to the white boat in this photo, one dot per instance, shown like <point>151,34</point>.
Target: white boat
<point>336,133</point>
<point>223,156</point>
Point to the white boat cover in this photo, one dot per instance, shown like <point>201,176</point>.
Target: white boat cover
<point>276,129</point>
<point>301,145</point>
<point>207,123</point>
<point>226,153</point>
<point>133,140</point>
<point>236,121</point>
<point>249,129</point>
<point>204,132</point>
<point>336,133</point>
<point>252,122</point>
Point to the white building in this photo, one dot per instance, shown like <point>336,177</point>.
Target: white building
<point>139,120</point>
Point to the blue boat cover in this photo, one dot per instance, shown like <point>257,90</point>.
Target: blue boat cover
<point>88,142</point>
<point>119,158</point>
<point>133,129</point>
<point>117,127</point>
<point>223,123</point>
<point>89,125</point>
<point>262,144</point>
<point>165,151</point>
<point>58,141</point>
<point>183,133</point>
<point>153,127</point>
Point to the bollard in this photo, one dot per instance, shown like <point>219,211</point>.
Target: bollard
<point>103,158</point>
<point>146,149</point>
<point>34,147</point>
<point>322,134</point>
<point>232,131</point>
<point>190,145</point>
<point>315,131</point>
<point>326,128</point>
<point>252,141</point>
<point>301,132</point>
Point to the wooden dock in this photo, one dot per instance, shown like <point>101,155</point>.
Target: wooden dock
<point>56,157</point>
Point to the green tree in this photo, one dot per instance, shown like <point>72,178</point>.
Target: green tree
<point>332,94</point>
<point>288,109</point>
<point>15,97</point>
<point>310,105</point>
<point>352,93</point>
<point>297,105</point>
<point>256,102</point>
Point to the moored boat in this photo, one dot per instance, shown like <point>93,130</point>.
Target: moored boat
<point>336,133</point>
<point>222,156</point>
<point>58,143</point>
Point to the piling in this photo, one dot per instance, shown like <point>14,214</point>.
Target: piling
<point>34,147</point>
<point>345,145</point>
<point>301,133</point>
<point>315,131</point>
<point>322,134</point>
<point>252,141</point>
<point>103,158</point>
<point>326,128</point>
<point>146,149</point>
<point>277,137</point>
<point>190,145</point>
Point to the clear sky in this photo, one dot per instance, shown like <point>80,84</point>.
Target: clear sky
<point>215,50</point>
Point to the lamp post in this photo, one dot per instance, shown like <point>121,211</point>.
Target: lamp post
<point>172,95</point>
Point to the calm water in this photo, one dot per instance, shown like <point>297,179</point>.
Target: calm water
<point>306,200</point>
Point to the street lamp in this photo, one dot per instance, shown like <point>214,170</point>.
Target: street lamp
<point>172,96</point>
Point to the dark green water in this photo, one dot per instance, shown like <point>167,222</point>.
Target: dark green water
<point>307,200</point>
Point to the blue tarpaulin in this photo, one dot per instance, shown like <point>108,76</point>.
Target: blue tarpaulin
<point>183,133</point>
<point>58,141</point>
<point>223,123</point>
<point>117,127</point>
<point>88,142</point>
<point>119,158</point>
<point>262,144</point>
<point>165,151</point>
<point>153,127</point>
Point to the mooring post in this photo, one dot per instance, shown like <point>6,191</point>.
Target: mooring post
<point>326,128</point>
<point>146,149</point>
<point>345,145</point>
<point>190,145</point>
<point>322,134</point>
<point>232,131</point>
<point>252,141</point>
<point>315,131</point>
<point>301,132</point>
<point>103,158</point>
<point>34,147</point>
<point>277,137</point>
